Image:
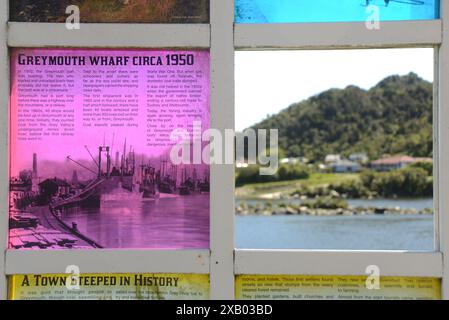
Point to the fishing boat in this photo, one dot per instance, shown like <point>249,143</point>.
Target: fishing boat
<point>187,186</point>
<point>204,186</point>
<point>148,186</point>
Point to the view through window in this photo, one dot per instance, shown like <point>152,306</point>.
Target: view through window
<point>355,149</point>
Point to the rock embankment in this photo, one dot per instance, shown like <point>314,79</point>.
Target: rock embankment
<point>245,210</point>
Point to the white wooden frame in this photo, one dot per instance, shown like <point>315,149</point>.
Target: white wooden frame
<point>109,35</point>
<point>442,90</point>
<point>193,36</point>
<point>221,261</point>
<point>4,124</point>
<point>336,35</point>
<point>107,261</point>
<point>318,262</point>
<point>222,176</point>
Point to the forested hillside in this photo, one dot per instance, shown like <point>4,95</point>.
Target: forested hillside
<point>394,117</point>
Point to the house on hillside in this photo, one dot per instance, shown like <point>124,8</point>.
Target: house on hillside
<point>360,157</point>
<point>332,158</point>
<point>297,160</point>
<point>396,162</point>
<point>345,166</point>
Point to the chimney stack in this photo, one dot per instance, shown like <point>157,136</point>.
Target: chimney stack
<point>34,165</point>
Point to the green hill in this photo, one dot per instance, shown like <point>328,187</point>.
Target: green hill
<point>394,117</point>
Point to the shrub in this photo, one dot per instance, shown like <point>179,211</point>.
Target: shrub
<point>408,182</point>
<point>326,203</point>
<point>292,172</point>
<point>428,166</point>
<point>352,189</point>
<point>286,172</point>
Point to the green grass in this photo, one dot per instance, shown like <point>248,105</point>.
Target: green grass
<point>258,190</point>
<point>317,179</point>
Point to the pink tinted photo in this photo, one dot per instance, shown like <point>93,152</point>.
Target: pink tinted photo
<point>90,137</point>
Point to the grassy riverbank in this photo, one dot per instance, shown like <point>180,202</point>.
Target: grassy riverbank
<point>326,194</point>
<point>414,181</point>
<point>279,189</point>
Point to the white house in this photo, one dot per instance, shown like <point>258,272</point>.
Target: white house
<point>331,158</point>
<point>294,160</point>
<point>360,157</point>
<point>345,166</point>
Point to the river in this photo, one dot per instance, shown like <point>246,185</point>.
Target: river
<point>125,220</point>
<point>373,232</point>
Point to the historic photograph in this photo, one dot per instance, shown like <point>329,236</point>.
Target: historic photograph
<point>119,11</point>
<point>90,150</point>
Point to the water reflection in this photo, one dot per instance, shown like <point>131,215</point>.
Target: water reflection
<point>127,221</point>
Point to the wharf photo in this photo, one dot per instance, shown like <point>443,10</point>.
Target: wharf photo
<point>107,11</point>
<point>90,155</point>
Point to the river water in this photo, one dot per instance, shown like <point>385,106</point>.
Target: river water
<point>125,220</point>
<point>374,232</point>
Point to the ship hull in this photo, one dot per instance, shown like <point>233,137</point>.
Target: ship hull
<point>128,183</point>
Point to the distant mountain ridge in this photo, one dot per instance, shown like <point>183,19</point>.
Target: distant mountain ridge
<point>393,117</point>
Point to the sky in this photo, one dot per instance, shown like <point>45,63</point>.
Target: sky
<point>269,81</point>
